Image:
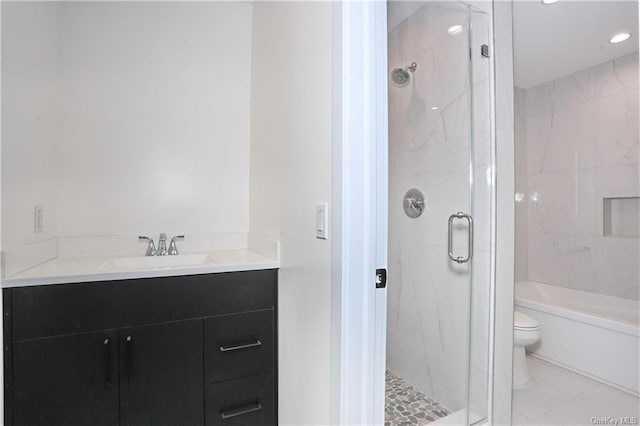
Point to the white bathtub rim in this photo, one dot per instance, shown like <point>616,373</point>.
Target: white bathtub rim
<point>573,313</point>
<point>589,319</point>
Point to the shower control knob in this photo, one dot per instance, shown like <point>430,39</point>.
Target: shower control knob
<point>413,203</point>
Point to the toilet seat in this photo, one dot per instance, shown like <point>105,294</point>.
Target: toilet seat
<point>524,322</point>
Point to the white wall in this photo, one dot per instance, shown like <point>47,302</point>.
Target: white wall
<point>148,129</point>
<point>291,110</point>
<point>581,147</point>
<point>29,118</point>
<point>155,118</point>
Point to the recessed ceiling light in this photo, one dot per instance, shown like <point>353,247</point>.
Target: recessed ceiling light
<point>456,29</point>
<point>620,37</point>
<point>435,108</point>
<point>549,1</point>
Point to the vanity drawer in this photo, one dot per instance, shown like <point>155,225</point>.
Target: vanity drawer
<point>246,401</point>
<point>239,345</point>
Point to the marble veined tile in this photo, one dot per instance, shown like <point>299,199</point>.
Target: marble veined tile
<point>617,129</point>
<point>563,202</point>
<point>537,99</point>
<point>618,181</point>
<point>626,71</point>
<point>618,270</point>
<point>557,379</point>
<point>609,78</point>
<point>535,401</point>
<point>562,140</point>
<point>428,343</point>
<point>564,260</point>
<point>561,397</point>
<point>614,77</point>
<point>600,402</point>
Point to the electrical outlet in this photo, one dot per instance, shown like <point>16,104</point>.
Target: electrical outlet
<point>37,218</point>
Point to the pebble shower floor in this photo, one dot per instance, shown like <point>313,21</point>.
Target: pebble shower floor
<point>406,405</point>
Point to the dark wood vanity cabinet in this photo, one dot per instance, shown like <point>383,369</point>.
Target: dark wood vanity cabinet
<point>161,374</point>
<point>64,380</point>
<point>190,350</point>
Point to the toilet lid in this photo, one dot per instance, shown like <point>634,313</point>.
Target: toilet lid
<point>522,321</point>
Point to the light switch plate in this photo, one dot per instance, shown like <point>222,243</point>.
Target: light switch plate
<point>37,218</point>
<point>322,221</point>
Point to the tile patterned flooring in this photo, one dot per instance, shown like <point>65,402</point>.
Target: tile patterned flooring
<point>561,397</point>
<point>406,405</point>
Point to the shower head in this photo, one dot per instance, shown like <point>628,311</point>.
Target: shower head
<point>401,76</point>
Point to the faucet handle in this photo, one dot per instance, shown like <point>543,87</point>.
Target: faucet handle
<point>173,248</point>
<point>151,247</point>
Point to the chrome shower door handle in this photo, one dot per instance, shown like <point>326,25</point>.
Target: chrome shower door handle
<point>460,259</point>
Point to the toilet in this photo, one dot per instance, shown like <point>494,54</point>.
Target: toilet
<point>526,331</point>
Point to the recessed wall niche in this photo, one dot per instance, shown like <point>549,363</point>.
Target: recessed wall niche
<point>621,216</point>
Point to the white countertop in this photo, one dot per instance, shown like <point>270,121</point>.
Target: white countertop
<point>101,268</point>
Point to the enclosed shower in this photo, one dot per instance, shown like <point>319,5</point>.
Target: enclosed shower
<point>441,195</point>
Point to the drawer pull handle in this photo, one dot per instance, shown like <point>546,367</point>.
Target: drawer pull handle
<point>240,411</point>
<point>129,359</point>
<point>107,361</point>
<point>235,348</point>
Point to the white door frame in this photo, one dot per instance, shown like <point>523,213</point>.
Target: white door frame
<point>360,214</point>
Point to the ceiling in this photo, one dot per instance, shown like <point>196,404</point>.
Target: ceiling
<point>552,41</point>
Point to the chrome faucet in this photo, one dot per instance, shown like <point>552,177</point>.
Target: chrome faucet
<point>151,247</point>
<point>173,248</point>
<point>162,245</point>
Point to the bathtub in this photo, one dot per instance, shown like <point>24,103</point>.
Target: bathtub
<point>594,335</point>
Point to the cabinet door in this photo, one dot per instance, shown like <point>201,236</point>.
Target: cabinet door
<point>161,374</point>
<point>66,380</point>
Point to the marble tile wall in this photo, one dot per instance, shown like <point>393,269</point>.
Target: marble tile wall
<point>429,134</point>
<point>580,145</point>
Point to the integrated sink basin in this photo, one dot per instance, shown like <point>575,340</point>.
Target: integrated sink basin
<point>150,262</point>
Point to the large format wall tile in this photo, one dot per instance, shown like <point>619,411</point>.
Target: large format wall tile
<point>618,268</point>
<point>579,144</point>
<point>616,122</point>
<point>562,140</point>
<point>564,260</point>
<point>562,202</point>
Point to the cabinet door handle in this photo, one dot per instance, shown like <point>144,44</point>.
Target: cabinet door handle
<point>107,361</point>
<point>236,347</point>
<point>129,358</point>
<point>240,411</point>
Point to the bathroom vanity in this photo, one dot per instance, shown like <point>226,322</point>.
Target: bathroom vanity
<point>198,349</point>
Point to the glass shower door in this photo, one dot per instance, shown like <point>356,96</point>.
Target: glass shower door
<point>440,198</point>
